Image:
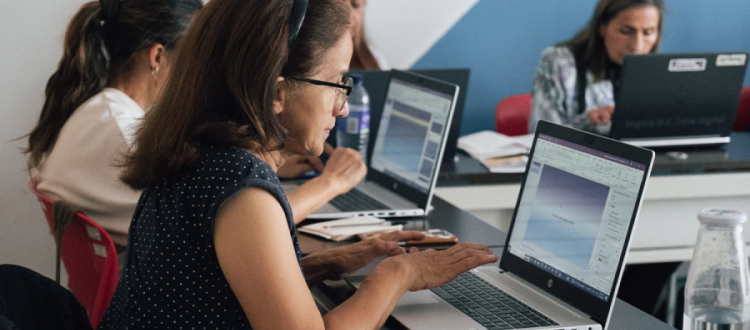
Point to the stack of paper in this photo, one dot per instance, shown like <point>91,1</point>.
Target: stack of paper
<point>343,229</point>
<point>500,153</point>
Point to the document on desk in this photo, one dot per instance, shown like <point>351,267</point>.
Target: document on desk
<point>514,164</point>
<point>489,144</point>
<point>343,229</point>
<point>499,153</point>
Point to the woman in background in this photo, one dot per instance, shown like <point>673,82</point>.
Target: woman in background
<point>574,79</point>
<point>363,56</point>
<point>213,241</point>
<point>116,58</point>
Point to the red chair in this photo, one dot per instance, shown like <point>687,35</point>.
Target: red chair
<point>512,115</point>
<point>742,120</point>
<point>89,257</point>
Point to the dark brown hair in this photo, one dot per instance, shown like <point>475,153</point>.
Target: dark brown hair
<point>100,44</point>
<point>362,56</point>
<point>223,81</point>
<point>588,45</point>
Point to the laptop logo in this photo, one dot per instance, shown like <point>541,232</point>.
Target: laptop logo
<point>395,185</point>
<point>549,283</point>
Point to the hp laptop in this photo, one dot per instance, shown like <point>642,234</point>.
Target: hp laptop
<point>666,100</point>
<point>407,152</point>
<point>566,248</point>
<point>376,83</point>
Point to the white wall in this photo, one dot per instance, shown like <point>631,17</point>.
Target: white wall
<point>404,30</point>
<point>31,34</point>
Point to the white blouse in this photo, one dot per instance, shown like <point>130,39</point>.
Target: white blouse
<point>82,168</point>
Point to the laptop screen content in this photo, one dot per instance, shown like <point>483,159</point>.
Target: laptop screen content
<point>575,213</point>
<point>411,130</point>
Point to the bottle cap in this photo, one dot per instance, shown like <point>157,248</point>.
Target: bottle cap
<point>356,78</point>
<point>721,217</point>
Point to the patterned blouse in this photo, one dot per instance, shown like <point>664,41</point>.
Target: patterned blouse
<point>554,99</point>
<point>172,278</point>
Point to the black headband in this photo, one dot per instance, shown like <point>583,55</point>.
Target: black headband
<point>295,19</point>
<point>110,11</point>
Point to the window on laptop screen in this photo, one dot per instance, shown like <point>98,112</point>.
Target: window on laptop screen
<point>575,213</point>
<point>411,130</point>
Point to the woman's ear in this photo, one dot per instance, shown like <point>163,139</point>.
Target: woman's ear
<point>279,95</point>
<point>157,56</point>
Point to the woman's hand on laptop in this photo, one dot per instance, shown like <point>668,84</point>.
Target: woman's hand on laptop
<point>430,268</point>
<point>344,169</point>
<point>336,263</point>
<point>602,115</point>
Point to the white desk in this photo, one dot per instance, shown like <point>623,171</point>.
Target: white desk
<point>667,226</point>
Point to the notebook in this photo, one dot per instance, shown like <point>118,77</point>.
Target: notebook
<point>566,247</point>
<point>407,152</point>
<point>666,100</point>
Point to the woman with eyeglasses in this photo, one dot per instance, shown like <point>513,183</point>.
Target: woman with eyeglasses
<point>212,242</point>
<point>574,79</point>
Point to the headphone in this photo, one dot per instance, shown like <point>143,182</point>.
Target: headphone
<point>295,19</point>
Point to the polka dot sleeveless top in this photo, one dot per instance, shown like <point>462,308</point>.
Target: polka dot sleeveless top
<point>172,278</point>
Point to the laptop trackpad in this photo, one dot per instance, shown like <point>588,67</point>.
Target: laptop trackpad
<point>416,298</point>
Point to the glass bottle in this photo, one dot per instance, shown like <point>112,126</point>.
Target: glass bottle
<point>717,292</point>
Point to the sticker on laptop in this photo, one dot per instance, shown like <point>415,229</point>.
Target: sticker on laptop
<point>731,59</point>
<point>687,64</point>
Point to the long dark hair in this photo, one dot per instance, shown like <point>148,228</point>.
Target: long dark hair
<point>588,45</point>
<point>223,81</point>
<point>100,42</point>
<point>362,56</point>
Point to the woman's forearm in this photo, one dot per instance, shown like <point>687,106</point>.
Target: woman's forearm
<point>375,299</point>
<point>319,267</point>
<point>311,196</point>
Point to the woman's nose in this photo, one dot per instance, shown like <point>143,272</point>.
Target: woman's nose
<point>344,111</point>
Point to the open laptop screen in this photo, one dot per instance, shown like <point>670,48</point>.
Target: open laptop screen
<point>412,127</point>
<point>575,213</point>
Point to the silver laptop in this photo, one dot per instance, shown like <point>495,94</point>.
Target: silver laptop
<point>667,100</point>
<point>566,248</point>
<point>407,153</point>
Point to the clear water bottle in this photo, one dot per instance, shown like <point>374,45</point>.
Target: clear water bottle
<point>717,292</point>
<point>353,131</point>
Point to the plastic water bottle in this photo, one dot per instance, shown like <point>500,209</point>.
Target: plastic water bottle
<point>717,292</point>
<point>353,131</point>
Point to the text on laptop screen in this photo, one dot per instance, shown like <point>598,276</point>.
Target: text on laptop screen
<point>411,130</point>
<point>575,213</point>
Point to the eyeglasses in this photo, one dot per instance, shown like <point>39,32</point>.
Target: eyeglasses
<point>343,89</point>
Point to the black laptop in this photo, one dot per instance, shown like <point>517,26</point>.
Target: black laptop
<point>666,100</point>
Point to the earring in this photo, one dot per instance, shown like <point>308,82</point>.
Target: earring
<point>154,71</point>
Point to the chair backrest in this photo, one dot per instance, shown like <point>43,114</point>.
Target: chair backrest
<point>742,120</point>
<point>90,259</point>
<point>29,300</point>
<point>512,115</point>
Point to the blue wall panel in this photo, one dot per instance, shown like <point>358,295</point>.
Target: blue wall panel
<point>501,40</point>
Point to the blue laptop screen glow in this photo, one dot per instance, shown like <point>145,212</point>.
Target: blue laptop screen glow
<point>575,213</point>
<point>411,130</point>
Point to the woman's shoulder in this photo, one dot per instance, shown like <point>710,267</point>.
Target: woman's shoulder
<point>558,54</point>
<point>233,162</point>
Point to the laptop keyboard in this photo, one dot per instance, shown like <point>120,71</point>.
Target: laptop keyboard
<point>356,200</point>
<point>488,305</point>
